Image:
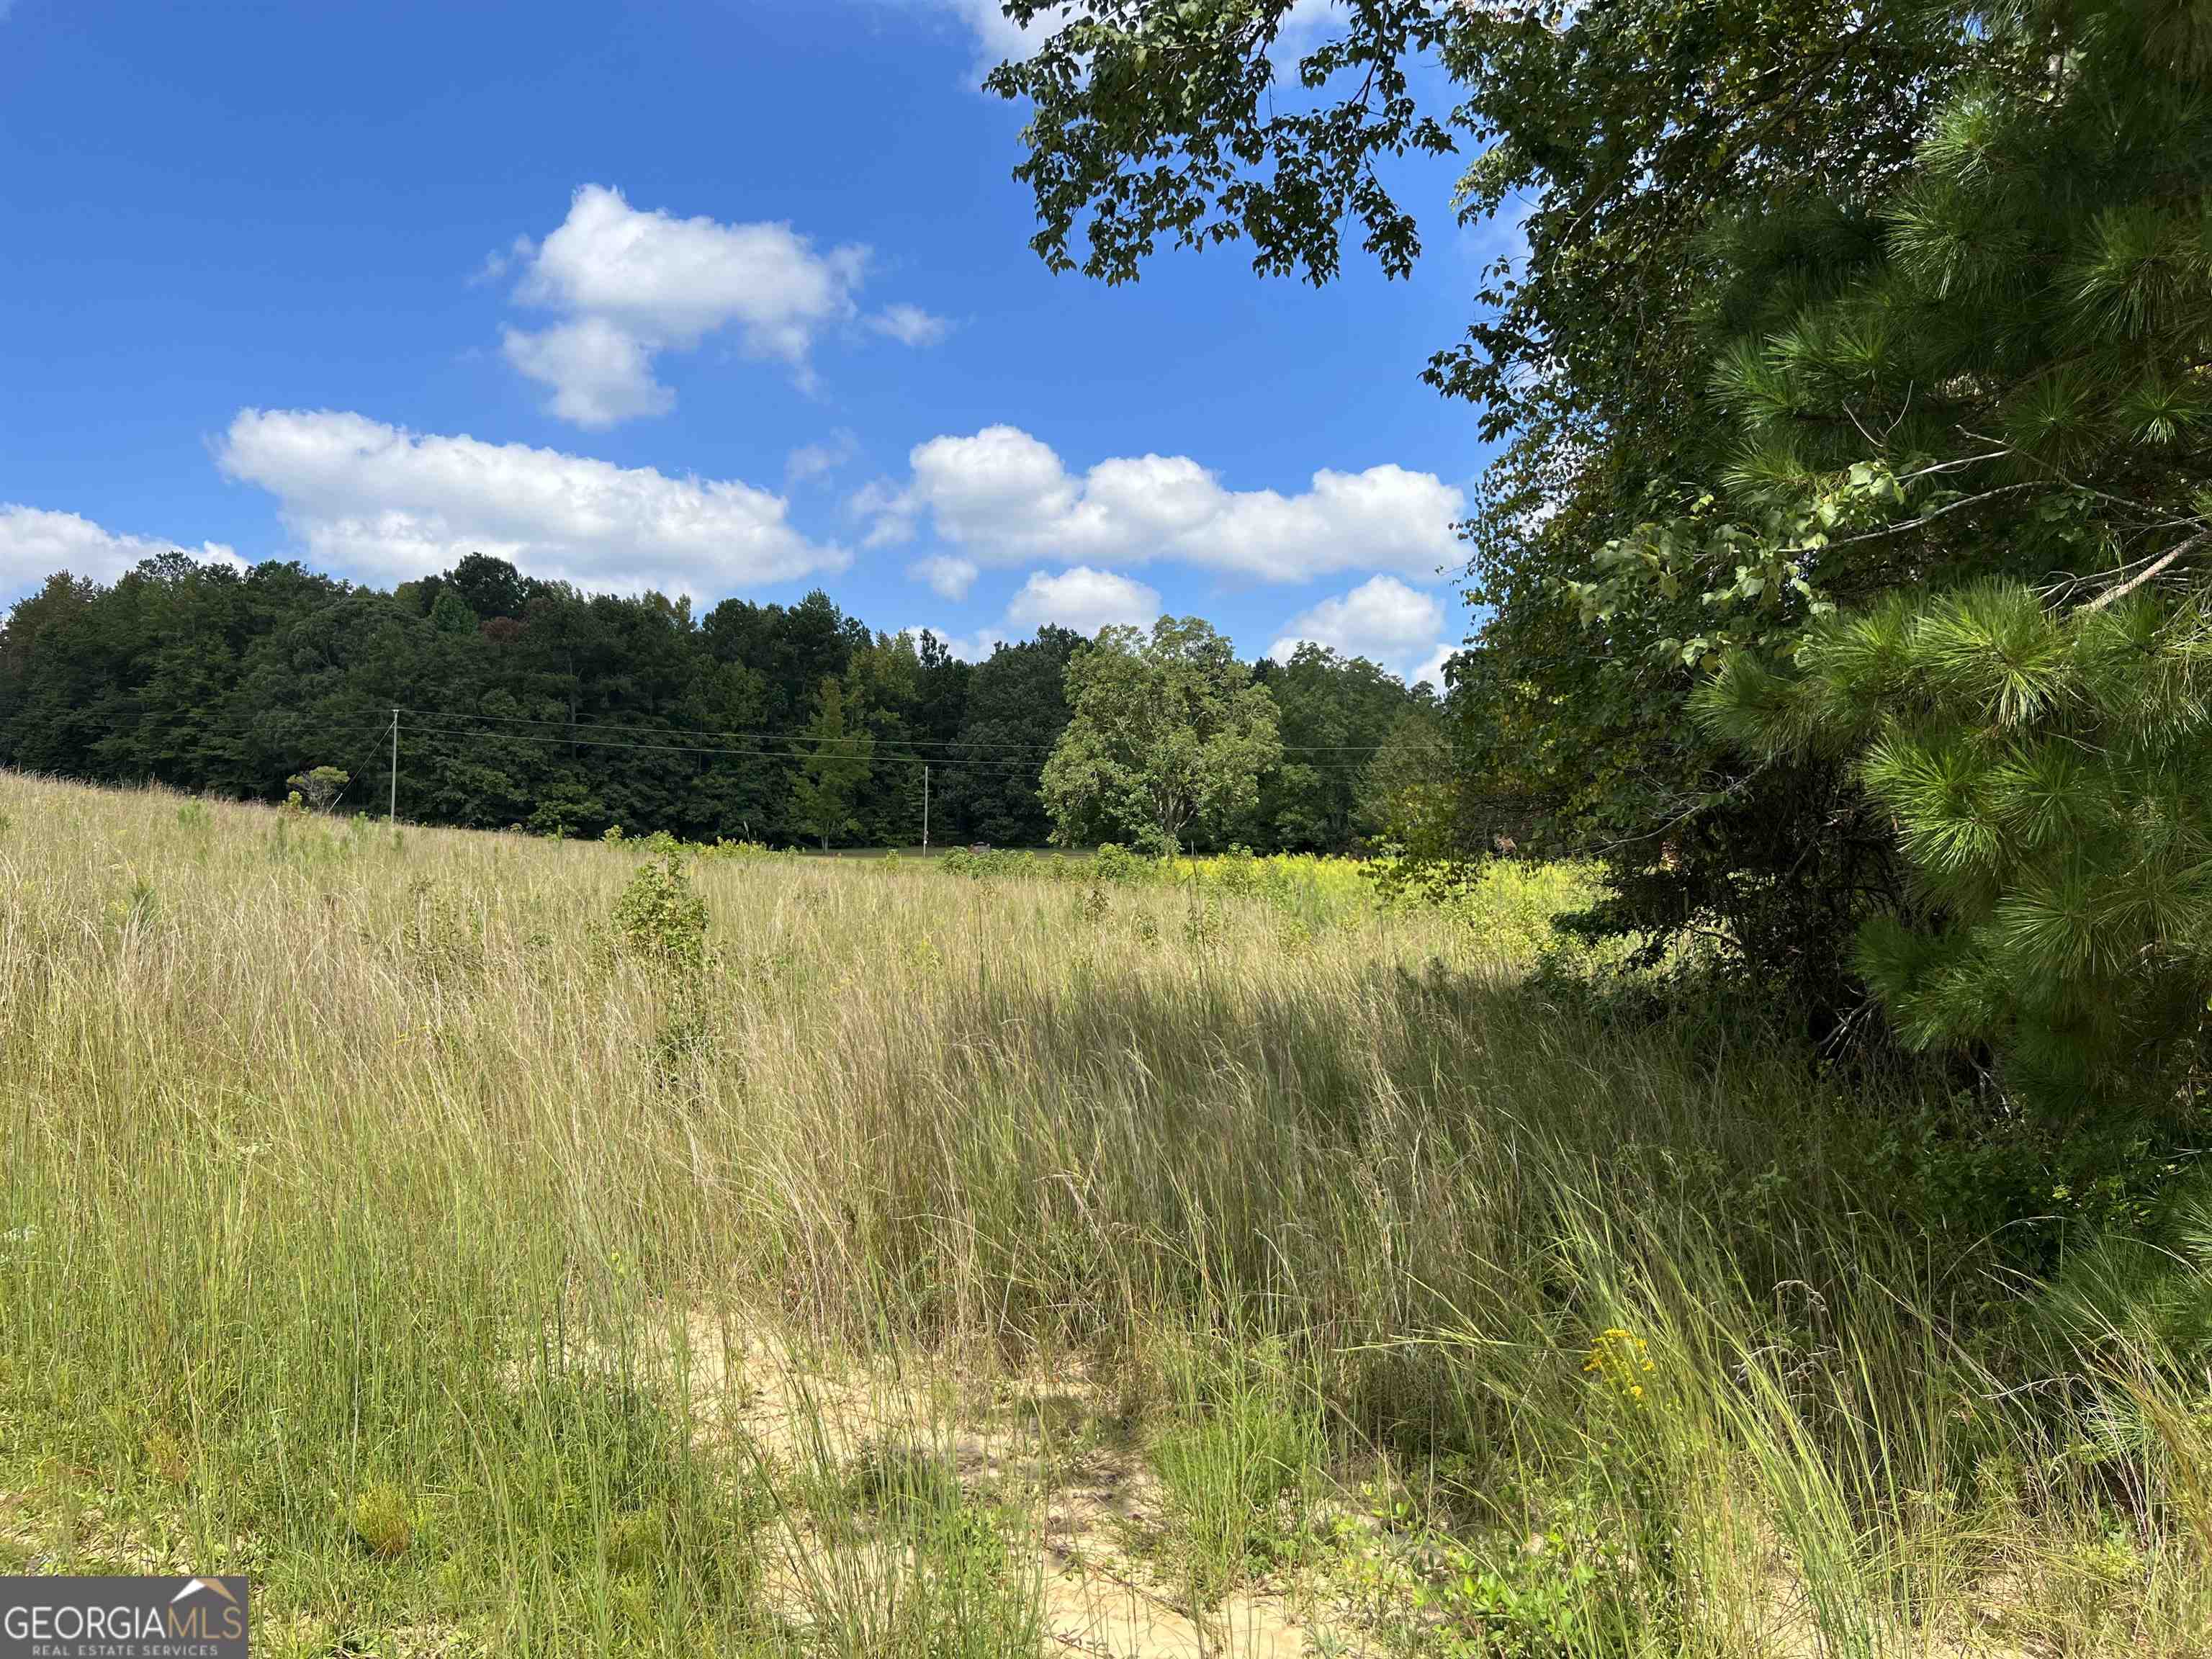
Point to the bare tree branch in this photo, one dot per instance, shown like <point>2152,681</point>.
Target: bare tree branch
<point>2158,567</point>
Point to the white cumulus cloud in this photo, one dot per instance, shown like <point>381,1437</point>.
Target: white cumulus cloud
<point>1430,669</point>
<point>385,503</point>
<point>629,285</point>
<point>948,575</point>
<point>35,543</point>
<point>1084,599</point>
<point>1381,619</point>
<point>599,372</point>
<point>1002,496</point>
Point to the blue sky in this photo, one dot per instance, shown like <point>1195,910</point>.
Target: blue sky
<point>725,299</point>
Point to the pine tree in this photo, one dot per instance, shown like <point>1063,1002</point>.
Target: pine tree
<point>835,765</point>
<point>1985,439</point>
<point>2049,775</point>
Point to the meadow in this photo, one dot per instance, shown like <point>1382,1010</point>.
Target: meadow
<point>496,1245</point>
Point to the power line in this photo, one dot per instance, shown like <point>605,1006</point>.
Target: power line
<point>893,757</point>
<point>715,749</point>
<point>819,743</point>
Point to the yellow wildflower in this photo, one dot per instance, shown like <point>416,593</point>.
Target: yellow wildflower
<point>1620,1358</point>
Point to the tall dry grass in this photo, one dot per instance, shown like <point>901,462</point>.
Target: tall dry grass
<point>372,1204</point>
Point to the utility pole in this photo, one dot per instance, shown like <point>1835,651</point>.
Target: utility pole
<point>392,811</point>
<point>924,806</point>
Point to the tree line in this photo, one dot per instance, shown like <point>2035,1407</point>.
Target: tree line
<point>528,702</point>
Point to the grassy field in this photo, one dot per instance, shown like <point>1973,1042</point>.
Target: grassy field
<point>501,1246</point>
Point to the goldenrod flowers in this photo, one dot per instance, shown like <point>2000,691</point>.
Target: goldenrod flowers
<point>1622,1360</point>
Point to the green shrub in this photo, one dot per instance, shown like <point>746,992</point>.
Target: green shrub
<point>1113,862</point>
<point>660,919</point>
<point>989,863</point>
<point>740,851</point>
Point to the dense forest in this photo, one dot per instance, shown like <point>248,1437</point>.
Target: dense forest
<point>528,702</point>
